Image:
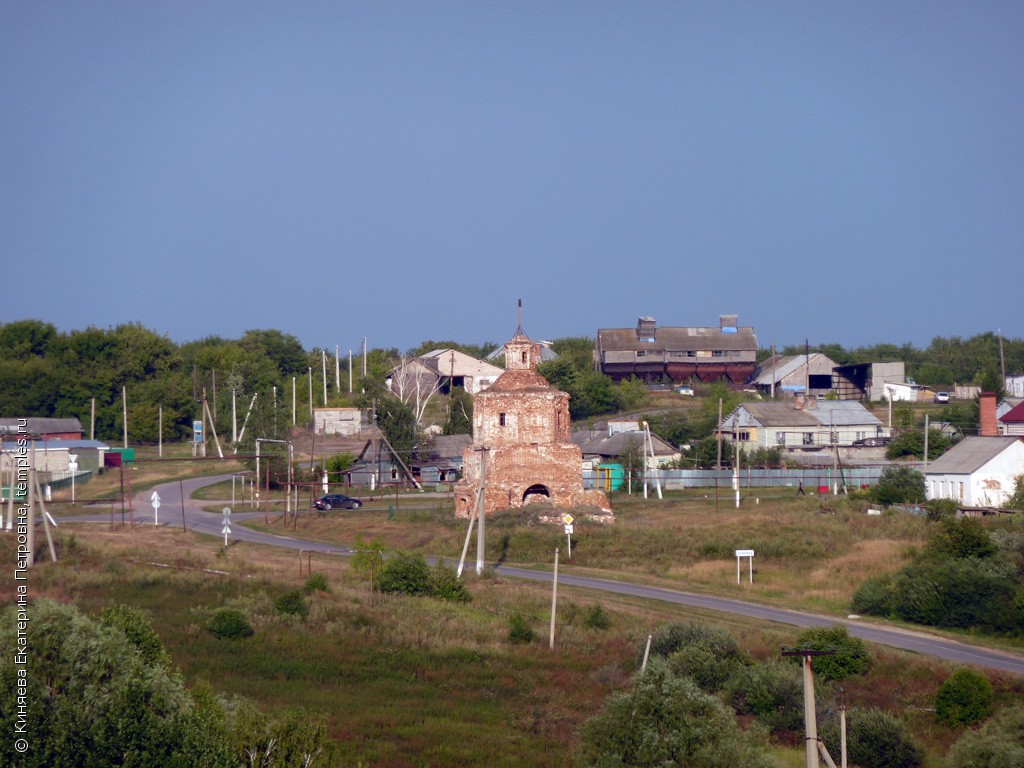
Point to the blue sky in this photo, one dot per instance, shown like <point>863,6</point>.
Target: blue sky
<point>843,172</point>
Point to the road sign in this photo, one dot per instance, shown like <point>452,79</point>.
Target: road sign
<point>197,431</point>
<point>568,529</point>
<point>155,501</point>
<point>227,524</point>
<point>744,553</point>
<point>568,519</point>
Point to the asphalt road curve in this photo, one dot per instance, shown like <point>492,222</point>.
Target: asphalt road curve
<point>909,640</point>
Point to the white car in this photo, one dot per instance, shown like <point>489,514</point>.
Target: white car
<point>942,397</point>
<point>685,390</point>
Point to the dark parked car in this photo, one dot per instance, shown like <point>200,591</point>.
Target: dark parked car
<point>337,501</point>
<point>871,442</point>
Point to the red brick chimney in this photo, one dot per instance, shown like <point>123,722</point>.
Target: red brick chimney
<point>987,408</point>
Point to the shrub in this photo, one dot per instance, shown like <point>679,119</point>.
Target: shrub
<point>964,699</point>
<point>940,509</point>
<point>997,744</point>
<point>772,690</point>
<point>873,597</point>
<point>138,631</point>
<point>596,618</point>
<point>405,574</point>
<point>230,624</point>
<point>960,538</point>
<point>446,584</point>
<point>899,485</point>
<point>519,629</point>
<point>709,655</point>
<point>316,583</point>
<point>665,721</point>
<point>873,738</point>
<point>292,604</point>
<point>851,653</point>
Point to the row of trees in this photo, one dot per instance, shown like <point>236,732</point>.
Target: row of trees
<point>44,372</point>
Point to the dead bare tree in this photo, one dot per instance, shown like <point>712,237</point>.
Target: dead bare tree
<point>415,384</point>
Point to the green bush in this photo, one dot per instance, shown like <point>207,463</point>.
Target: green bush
<point>316,583</point>
<point>138,631</point>
<point>960,538</point>
<point>851,653</point>
<point>292,604</point>
<point>406,574</point>
<point>519,629</point>
<point>666,720</point>
<point>596,617</point>
<point>899,485</point>
<point>230,624</point>
<point>772,690</point>
<point>707,654</point>
<point>446,584</point>
<point>873,597</point>
<point>999,743</point>
<point>941,509</point>
<point>873,738</point>
<point>964,699</point>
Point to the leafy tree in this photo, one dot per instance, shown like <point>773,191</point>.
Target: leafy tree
<point>667,720</point>
<point>24,339</point>
<point>708,655</point>
<point>460,413</point>
<point>989,380</point>
<point>1016,500</point>
<point>284,350</point>
<point>631,394</point>
<point>899,485</point>
<point>398,423</point>
<point>671,426</point>
<point>632,458</point>
<point>138,631</point>
<point>960,538</point>
<point>964,698</point>
<point>911,443</point>
<point>446,584</point>
<point>772,690</point>
<point>851,653</point>
<point>479,351</point>
<point>95,699</point>
<point>577,350</point>
<point>875,738</point>
<point>999,743</point>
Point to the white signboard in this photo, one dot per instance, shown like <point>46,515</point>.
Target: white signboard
<point>745,553</point>
<point>155,501</point>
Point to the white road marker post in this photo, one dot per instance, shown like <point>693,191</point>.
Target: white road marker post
<point>155,501</point>
<point>227,524</point>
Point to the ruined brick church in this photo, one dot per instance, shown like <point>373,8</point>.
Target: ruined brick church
<point>522,449</point>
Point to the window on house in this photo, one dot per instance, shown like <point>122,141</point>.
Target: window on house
<point>524,357</point>
<point>744,436</point>
<point>501,419</point>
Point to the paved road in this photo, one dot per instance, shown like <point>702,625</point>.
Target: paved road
<point>920,642</point>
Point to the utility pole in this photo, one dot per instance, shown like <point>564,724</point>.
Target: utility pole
<point>323,353</point>
<point>124,405</point>
<point>924,467</point>
<point>293,401</point>
<point>718,462</point>
<point>337,369</point>
<point>310,391</point>
<point>159,438</point>
<point>350,371</point>
<point>234,418</point>
<point>813,743</point>
<point>92,420</point>
<point>483,512</point>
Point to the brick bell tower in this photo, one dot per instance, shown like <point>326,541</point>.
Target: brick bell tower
<point>521,428</point>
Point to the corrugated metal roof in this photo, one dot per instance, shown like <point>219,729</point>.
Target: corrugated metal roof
<point>603,444</point>
<point>41,425</point>
<point>838,413</point>
<point>1015,414</point>
<point>678,339</point>
<point>970,455</point>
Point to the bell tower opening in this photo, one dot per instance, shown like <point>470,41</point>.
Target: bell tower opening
<point>536,492</point>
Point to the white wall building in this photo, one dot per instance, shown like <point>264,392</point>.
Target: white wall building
<point>977,472</point>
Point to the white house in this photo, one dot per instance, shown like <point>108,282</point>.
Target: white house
<point>441,369</point>
<point>976,472</point>
<point>802,423</point>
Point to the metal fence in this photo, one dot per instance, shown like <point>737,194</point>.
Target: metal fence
<point>812,477</point>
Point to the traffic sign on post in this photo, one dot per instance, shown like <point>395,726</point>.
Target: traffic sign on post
<point>155,501</point>
<point>227,524</point>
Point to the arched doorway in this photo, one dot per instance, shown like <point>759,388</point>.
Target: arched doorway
<point>536,492</point>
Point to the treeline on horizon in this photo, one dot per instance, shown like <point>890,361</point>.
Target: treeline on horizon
<point>49,373</point>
